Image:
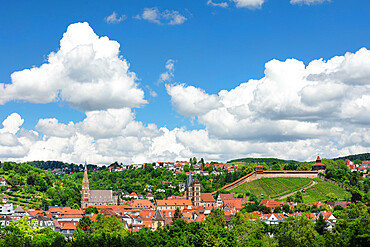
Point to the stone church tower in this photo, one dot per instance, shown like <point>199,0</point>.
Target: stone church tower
<point>85,192</point>
<point>193,190</point>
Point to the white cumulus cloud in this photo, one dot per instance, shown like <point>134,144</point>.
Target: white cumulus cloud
<point>87,72</point>
<point>323,100</point>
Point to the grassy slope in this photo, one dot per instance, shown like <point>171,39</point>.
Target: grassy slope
<point>319,191</point>
<point>274,187</point>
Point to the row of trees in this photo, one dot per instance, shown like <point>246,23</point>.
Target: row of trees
<point>352,229</point>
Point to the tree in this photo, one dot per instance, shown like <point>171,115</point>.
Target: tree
<point>286,208</point>
<point>108,225</point>
<point>30,180</point>
<point>296,232</point>
<point>84,223</point>
<point>331,197</point>
<point>357,161</point>
<point>177,215</point>
<point>321,224</point>
<point>249,232</point>
<point>253,197</point>
<point>91,210</point>
<point>298,197</point>
<point>216,218</point>
<point>277,209</point>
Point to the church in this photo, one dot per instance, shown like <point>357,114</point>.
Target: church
<point>95,197</point>
<point>193,189</point>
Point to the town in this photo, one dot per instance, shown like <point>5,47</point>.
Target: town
<point>137,211</point>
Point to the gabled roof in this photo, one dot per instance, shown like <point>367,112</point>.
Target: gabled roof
<point>19,210</point>
<point>157,216</point>
<point>226,197</point>
<point>207,197</point>
<point>174,202</point>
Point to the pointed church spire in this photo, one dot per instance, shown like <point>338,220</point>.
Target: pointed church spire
<point>85,181</point>
<point>190,180</point>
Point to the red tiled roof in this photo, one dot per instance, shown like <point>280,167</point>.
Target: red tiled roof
<point>142,203</point>
<point>174,202</point>
<point>227,197</point>
<point>206,197</point>
<point>69,225</point>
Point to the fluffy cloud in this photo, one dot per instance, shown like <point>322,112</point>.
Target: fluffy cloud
<point>308,2</point>
<point>191,101</point>
<point>167,17</point>
<point>169,74</point>
<point>113,19</point>
<point>323,101</point>
<point>12,123</point>
<point>87,72</point>
<point>251,4</point>
<point>294,112</point>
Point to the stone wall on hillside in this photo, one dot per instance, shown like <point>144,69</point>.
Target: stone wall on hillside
<point>270,174</point>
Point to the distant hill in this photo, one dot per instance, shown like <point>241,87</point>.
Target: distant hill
<point>364,156</point>
<point>45,165</point>
<point>268,161</point>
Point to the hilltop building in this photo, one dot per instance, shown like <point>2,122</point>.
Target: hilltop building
<point>95,197</point>
<point>318,166</point>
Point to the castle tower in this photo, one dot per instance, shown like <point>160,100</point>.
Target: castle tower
<point>85,192</point>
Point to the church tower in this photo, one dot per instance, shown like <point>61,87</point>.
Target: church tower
<point>85,192</point>
<point>193,190</point>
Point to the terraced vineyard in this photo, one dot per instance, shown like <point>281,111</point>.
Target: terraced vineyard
<point>275,187</point>
<point>272,187</point>
<point>319,191</point>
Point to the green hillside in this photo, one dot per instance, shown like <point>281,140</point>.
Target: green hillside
<point>275,187</point>
<point>268,161</point>
<point>319,191</point>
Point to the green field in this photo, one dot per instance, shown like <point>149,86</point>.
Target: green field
<point>272,187</point>
<point>275,187</point>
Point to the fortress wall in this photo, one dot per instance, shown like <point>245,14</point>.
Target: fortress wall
<point>298,174</point>
<point>270,174</point>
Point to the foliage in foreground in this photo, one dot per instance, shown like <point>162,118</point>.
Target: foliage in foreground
<point>247,230</point>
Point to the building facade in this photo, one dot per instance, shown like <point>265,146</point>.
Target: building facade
<point>95,197</point>
<point>193,190</point>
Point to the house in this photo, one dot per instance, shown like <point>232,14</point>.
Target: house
<point>6,209</point>
<point>271,203</point>
<point>67,228</point>
<point>181,187</point>
<point>172,204</point>
<point>40,221</point>
<point>150,197</point>
<point>5,220</point>
<point>207,200</point>
<point>5,199</point>
<point>142,204</point>
<point>3,181</point>
<point>222,197</point>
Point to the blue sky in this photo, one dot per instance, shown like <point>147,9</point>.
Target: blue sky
<point>213,49</point>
